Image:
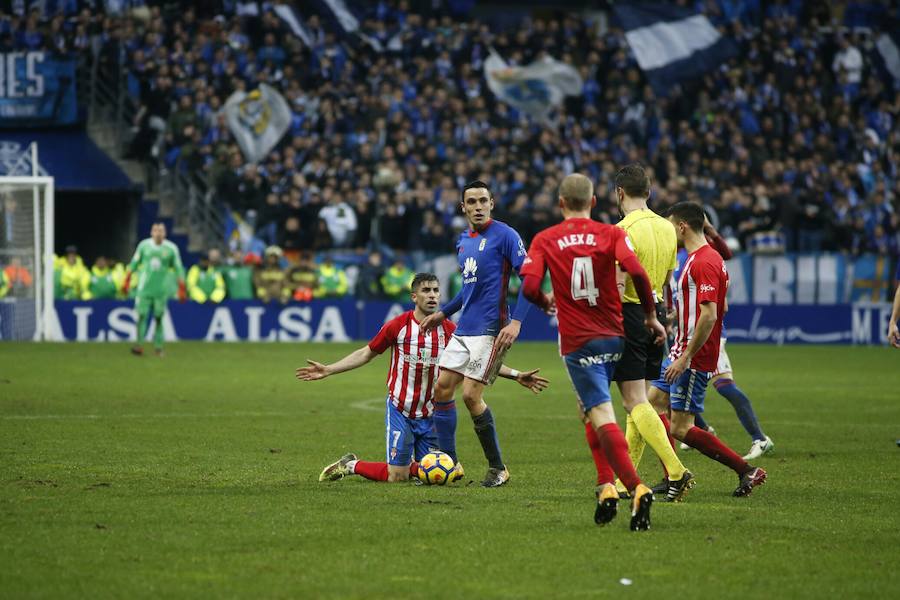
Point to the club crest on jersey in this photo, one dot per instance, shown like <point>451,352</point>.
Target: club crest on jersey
<point>469,268</point>
<point>482,244</point>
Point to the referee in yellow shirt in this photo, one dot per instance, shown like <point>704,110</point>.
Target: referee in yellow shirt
<point>653,240</point>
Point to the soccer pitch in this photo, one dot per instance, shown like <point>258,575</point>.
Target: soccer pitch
<point>195,476</point>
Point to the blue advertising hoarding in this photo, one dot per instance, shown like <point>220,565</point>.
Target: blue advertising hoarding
<point>36,89</point>
<point>346,320</point>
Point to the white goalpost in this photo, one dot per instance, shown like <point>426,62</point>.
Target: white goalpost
<point>26,248</point>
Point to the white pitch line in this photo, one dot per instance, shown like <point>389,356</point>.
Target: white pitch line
<point>369,405</point>
<point>144,416</point>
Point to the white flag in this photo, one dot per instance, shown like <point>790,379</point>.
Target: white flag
<point>257,120</point>
<point>534,89</point>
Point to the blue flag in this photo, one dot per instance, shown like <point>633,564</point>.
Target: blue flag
<point>887,54</point>
<point>672,44</point>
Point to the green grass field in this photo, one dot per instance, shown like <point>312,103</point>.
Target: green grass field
<point>195,476</point>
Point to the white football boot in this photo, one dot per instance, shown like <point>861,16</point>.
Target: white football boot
<point>760,447</point>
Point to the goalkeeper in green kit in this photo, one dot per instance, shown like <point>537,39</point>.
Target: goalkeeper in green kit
<point>153,260</point>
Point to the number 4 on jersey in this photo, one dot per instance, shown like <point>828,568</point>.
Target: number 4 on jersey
<point>583,287</point>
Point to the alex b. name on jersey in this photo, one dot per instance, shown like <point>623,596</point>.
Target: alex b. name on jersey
<point>576,239</point>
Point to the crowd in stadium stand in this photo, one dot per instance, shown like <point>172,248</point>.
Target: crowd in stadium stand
<point>239,277</point>
<point>795,144</point>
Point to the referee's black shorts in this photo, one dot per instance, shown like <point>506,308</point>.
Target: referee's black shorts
<point>641,358</point>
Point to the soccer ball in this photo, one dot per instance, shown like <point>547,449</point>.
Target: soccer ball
<point>436,468</point>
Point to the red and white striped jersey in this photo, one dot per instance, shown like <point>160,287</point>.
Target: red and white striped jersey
<point>703,279</point>
<point>414,362</point>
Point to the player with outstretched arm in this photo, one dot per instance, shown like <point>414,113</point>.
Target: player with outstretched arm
<point>692,360</point>
<point>154,258</point>
<point>581,255</point>
<point>487,252</point>
<point>411,378</point>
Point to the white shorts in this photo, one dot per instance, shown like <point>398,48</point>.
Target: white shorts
<point>472,356</point>
<point>724,364</point>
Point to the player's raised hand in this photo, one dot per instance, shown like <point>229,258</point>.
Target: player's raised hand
<point>507,336</point>
<point>532,381</point>
<point>312,372</point>
<point>656,329</point>
<point>675,370</point>
<point>432,321</point>
<point>894,335</point>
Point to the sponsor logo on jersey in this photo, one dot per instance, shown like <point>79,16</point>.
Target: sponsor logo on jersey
<point>424,357</point>
<point>576,239</point>
<point>522,250</point>
<point>469,268</point>
<point>599,359</point>
<point>705,287</point>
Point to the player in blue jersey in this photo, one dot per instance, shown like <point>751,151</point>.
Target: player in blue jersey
<point>723,377</point>
<point>487,252</point>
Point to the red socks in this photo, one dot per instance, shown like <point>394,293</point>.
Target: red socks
<point>713,447</point>
<point>378,471</point>
<point>616,449</point>
<point>604,471</point>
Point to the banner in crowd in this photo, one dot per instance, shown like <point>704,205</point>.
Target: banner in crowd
<point>36,90</point>
<point>821,279</point>
<point>887,55</point>
<point>671,43</point>
<point>258,120</point>
<point>346,320</point>
<point>535,89</point>
<point>69,156</point>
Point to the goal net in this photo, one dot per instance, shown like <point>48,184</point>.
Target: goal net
<point>26,257</point>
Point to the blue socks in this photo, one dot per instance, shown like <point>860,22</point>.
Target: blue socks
<point>742,406</point>
<point>444,419</point>
<point>699,422</point>
<point>487,435</point>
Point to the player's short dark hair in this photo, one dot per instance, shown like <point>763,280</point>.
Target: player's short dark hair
<point>472,185</point>
<point>634,180</point>
<point>690,212</point>
<point>421,278</point>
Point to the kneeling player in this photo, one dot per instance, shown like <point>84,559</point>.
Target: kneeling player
<point>411,378</point>
<point>581,255</point>
<point>686,372</point>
